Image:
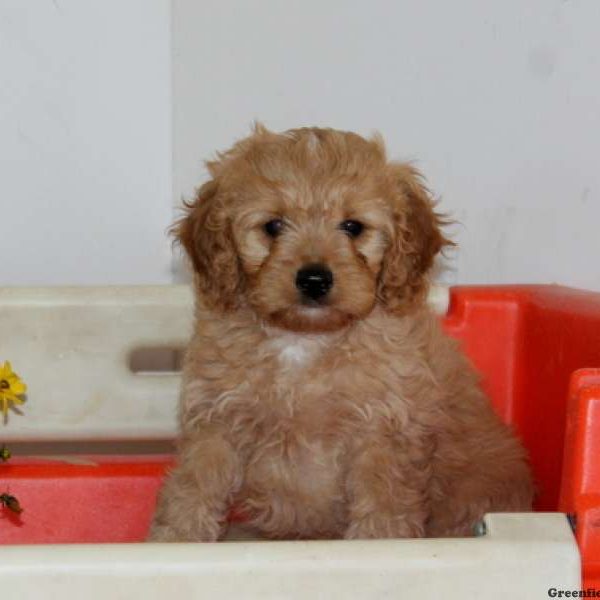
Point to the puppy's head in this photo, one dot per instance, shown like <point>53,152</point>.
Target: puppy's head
<point>310,228</point>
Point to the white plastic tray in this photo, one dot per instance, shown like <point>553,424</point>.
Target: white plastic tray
<point>73,347</point>
<point>519,558</point>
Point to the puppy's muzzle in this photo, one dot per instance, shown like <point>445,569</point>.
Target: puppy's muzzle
<point>314,281</point>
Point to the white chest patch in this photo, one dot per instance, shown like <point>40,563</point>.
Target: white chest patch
<point>296,351</point>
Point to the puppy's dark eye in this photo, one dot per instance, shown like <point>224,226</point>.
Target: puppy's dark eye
<point>273,228</point>
<point>352,228</point>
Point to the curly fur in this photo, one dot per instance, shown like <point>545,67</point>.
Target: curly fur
<point>358,418</point>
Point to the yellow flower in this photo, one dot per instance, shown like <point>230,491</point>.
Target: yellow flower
<point>11,387</point>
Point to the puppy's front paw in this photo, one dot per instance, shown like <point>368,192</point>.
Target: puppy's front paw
<point>379,525</point>
<point>202,526</point>
<point>164,533</point>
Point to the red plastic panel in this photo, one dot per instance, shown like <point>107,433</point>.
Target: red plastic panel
<point>488,322</point>
<point>562,335</point>
<point>526,341</point>
<point>107,500</point>
<point>580,493</point>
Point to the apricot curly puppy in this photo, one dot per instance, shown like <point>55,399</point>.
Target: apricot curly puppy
<point>320,396</point>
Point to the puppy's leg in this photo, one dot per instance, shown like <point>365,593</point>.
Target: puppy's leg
<point>387,489</point>
<point>194,500</point>
<point>493,476</point>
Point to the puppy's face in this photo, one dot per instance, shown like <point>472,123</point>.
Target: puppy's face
<point>310,229</point>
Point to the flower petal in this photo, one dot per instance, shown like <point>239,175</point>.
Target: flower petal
<point>16,385</point>
<point>7,396</point>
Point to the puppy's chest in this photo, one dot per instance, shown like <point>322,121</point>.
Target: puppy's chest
<point>288,387</point>
<point>294,389</point>
<point>303,435</point>
<point>305,384</point>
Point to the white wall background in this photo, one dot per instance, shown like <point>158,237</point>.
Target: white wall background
<point>85,141</point>
<point>498,102</point>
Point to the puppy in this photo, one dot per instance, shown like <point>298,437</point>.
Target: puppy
<point>320,398</point>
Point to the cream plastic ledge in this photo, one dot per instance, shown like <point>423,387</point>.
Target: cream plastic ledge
<point>521,557</point>
<point>72,345</point>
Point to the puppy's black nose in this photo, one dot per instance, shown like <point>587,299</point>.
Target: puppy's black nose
<point>314,281</point>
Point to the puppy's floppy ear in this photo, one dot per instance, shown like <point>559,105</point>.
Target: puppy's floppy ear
<point>205,233</point>
<point>416,239</point>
